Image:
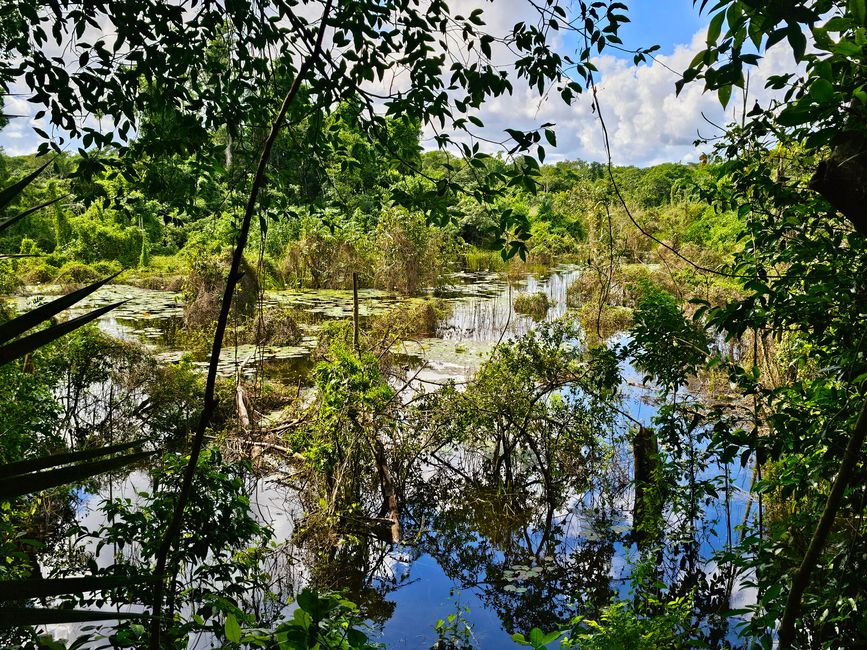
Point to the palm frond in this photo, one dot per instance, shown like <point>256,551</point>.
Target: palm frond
<point>21,324</point>
<point>8,194</point>
<point>20,347</point>
<point>18,217</point>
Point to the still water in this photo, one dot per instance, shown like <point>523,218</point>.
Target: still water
<point>504,567</point>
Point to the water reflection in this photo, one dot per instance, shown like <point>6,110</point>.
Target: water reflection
<point>480,305</point>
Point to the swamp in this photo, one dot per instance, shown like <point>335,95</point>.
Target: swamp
<point>312,336</point>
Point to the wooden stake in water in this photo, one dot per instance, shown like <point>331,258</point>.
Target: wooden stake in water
<point>355,310</point>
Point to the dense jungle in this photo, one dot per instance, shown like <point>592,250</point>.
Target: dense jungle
<point>297,352</point>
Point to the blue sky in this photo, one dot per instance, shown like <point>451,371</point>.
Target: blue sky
<point>662,22</point>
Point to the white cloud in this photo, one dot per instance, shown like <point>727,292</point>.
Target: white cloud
<point>646,122</point>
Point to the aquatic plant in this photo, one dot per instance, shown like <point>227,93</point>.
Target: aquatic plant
<point>535,305</point>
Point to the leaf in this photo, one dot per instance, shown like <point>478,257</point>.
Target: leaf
<point>15,486</point>
<point>715,27</point>
<point>847,48</point>
<point>48,587</point>
<point>551,637</point>
<point>724,93</point>
<point>797,40</point>
<point>536,636</point>
<point>859,10</point>
<point>356,638</point>
<point>20,616</point>
<point>822,90</point>
<point>19,348</point>
<point>9,193</point>
<point>232,629</point>
<point>21,324</point>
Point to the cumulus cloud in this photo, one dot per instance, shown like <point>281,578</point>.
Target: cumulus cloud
<point>647,123</point>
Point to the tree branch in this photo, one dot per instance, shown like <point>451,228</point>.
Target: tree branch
<point>820,535</point>
<point>259,180</point>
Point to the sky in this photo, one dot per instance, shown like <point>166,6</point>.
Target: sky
<point>647,124</point>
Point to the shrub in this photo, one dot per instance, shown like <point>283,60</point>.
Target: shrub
<point>322,258</point>
<point>74,273</point>
<point>279,327</point>
<point>408,254</point>
<point>203,290</point>
<point>93,241</point>
<point>535,305</point>
<point>10,279</point>
<point>107,267</point>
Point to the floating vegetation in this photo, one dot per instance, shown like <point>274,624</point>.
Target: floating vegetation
<point>534,305</point>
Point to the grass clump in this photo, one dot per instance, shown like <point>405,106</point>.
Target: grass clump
<point>534,305</point>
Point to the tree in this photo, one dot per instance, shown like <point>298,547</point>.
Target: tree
<point>795,170</point>
<point>160,63</point>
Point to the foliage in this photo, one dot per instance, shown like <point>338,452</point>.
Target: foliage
<point>454,632</point>
<point>649,619</point>
<point>665,345</point>
<point>217,571</point>
<point>535,305</point>
<point>619,626</point>
<point>320,621</point>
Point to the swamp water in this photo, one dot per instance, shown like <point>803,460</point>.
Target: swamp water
<point>503,563</point>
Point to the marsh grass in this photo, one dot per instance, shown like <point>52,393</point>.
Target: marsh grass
<point>534,305</point>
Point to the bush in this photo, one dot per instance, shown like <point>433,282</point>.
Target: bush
<point>535,305</point>
<point>107,267</point>
<point>417,319</point>
<point>206,282</point>
<point>74,273</point>
<point>408,254</point>
<point>93,241</point>
<point>322,258</point>
<point>10,279</point>
<point>279,327</point>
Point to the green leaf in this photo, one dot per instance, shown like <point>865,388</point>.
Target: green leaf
<point>714,29</point>
<point>724,93</point>
<point>356,638</point>
<point>21,347</point>
<point>847,48</point>
<point>859,10</point>
<point>822,90</point>
<point>536,636</point>
<point>8,194</point>
<point>232,629</point>
<point>797,40</point>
